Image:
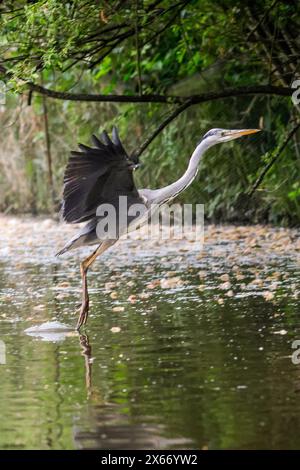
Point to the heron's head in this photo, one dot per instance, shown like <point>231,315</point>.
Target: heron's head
<point>215,136</point>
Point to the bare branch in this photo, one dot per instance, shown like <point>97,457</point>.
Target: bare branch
<point>274,159</point>
<point>160,128</point>
<point>264,16</point>
<point>137,45</point>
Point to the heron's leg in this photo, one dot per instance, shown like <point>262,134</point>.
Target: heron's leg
<point>84,266</point>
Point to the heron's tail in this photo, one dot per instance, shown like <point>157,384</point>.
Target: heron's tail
<point>86,236</point>
<point>61,252</point>
<point>73,243</point>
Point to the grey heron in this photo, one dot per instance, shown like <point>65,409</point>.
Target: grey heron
<point>101,175</point>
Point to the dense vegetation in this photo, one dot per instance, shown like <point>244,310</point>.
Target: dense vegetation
<point>72,68</point>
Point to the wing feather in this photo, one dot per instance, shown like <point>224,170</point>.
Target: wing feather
<point>97,175</point>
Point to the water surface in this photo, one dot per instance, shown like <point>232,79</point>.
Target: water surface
<point>182,350</point>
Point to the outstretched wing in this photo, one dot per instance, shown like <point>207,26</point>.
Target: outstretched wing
<point>95,176</point>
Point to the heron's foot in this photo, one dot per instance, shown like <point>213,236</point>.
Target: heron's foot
<point>83,315</point>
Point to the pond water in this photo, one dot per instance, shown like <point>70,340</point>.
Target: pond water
<point>183,349</point>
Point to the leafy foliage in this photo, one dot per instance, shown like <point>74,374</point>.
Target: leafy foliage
<point>155,47</point>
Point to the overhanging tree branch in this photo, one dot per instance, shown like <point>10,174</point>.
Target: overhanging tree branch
<point>152,98</point>
<point>184,102</point>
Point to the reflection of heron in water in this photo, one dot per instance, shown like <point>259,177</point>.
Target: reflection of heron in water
<point>87,354</point>
<point>100,175</point>
<point>104,425</point>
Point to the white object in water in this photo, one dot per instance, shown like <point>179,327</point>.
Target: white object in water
<point>50,331</point>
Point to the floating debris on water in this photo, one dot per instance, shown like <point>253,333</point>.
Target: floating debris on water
<point>51,331</point>
<point>115,329</point>
<point>280,332</point>
<point>171,282</point>
<point>49,327</point>
<point>118,309</point>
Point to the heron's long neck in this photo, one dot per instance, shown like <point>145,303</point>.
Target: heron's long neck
<point>186,179</point>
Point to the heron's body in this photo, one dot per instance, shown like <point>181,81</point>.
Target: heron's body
<point>101,176</point>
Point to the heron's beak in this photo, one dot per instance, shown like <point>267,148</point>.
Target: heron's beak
<point>236,133</point>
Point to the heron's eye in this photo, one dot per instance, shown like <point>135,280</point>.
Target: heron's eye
<point>223,134</point>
